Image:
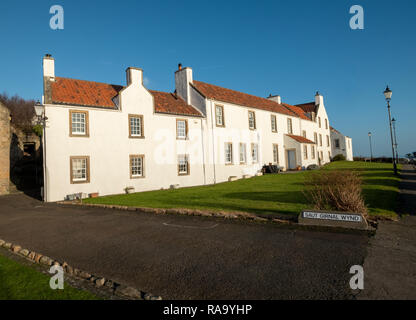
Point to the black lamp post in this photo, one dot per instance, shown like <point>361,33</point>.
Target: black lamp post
<point>393,121</point>
<point>387,94</point>
<point>41,120</point>
<point>371,147</point>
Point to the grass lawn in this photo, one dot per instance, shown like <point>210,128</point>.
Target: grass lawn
<point>278,195</point>
<point>21,282</point>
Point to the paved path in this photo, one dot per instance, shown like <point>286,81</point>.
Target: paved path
<point>390,267</point>
<point>182,257</point>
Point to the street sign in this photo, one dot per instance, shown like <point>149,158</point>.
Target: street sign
<point>333,219</point>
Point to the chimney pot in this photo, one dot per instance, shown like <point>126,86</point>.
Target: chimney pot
<point>180,66</point>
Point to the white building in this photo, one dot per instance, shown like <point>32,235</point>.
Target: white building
<point>103,138</point>
<point>341,145</point>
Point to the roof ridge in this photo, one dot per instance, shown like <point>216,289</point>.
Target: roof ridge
<point>249,94</point>
<point>109,84</point>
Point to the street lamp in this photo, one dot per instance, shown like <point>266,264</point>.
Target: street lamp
<point>40,114</point>
<point>387,95</point>
<point>371,147</point>
<point>393,121</point>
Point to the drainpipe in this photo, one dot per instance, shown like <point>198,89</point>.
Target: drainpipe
<point>213,144</point>
<point>203,152</point>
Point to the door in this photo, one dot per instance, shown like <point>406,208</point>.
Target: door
<point>291,159</point>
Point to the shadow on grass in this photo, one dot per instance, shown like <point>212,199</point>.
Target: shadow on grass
<point>381,199</point>
<point>381,182</point>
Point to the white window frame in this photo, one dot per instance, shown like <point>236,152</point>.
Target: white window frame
<point>136,126</point>
<point>273,120</point>
<point>228,153</point>
<point>181,132</point>
<point>219,116</point>
<point>251,120</point>
<point>305,152</point>
<point>254,152</point>
<point>79,120</point>
<point>136,169</point>
<point>276,153</point>
<point>183,162</point>
<point>243,153</point>
<point>289,126</point>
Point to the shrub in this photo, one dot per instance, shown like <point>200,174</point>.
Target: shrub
<point>338,190</point>
<point>338,157</point>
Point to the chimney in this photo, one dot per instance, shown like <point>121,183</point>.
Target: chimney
<point>183,78</point>
<point>48,66</point>
<point>319,99</point>
<point>275,98</point>
<point>134,76</point>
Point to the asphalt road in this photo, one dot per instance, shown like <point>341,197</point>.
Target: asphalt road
<point>183,257</point>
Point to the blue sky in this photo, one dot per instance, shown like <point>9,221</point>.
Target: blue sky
<point>291,48</point>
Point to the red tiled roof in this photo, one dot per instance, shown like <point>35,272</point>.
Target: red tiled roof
<point>170,103</point>
<point>307,107</point>
<point>298,111</point>
<point>300,139</point>
<point>335,130</point>
<point>211,91</point>
<point>96,94</point>
<point>83,93</point>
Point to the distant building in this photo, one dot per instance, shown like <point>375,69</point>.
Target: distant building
<point>341,144</point>
<point>103,138</point>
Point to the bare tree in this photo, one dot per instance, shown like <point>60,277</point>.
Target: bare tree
<point>21,111</point>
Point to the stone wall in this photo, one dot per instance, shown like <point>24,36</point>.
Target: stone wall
<point>4,150</point>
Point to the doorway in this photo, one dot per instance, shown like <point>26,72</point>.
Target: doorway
<point>291,159</point>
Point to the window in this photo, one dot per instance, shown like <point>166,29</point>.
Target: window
<point>313,151</point>
<point>349,144</point>
<point>254,152</point>
<point>315,137</point>
<point>327,141</point>
<point>243,157</point>
<point>319,121</point>
<point>274,123</point>
<point>251,120</point>
<point>289,126</point>
<point>183,165</point>
<point>136,126</point>
<point>219,116</point>
<point>78,123</point>
<point>337,143</point>
<point>304,133</point>
<point>326,123</point>
<point>80,169</point>
<point>305,152</point>
<point>275,153</point>
<point>320,140</point>
<point>329,155</point>
<point>136,166</point>
<point>228,155</point>
<point>181,129</point>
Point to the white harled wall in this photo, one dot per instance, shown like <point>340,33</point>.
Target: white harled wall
<point>109,147</point>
